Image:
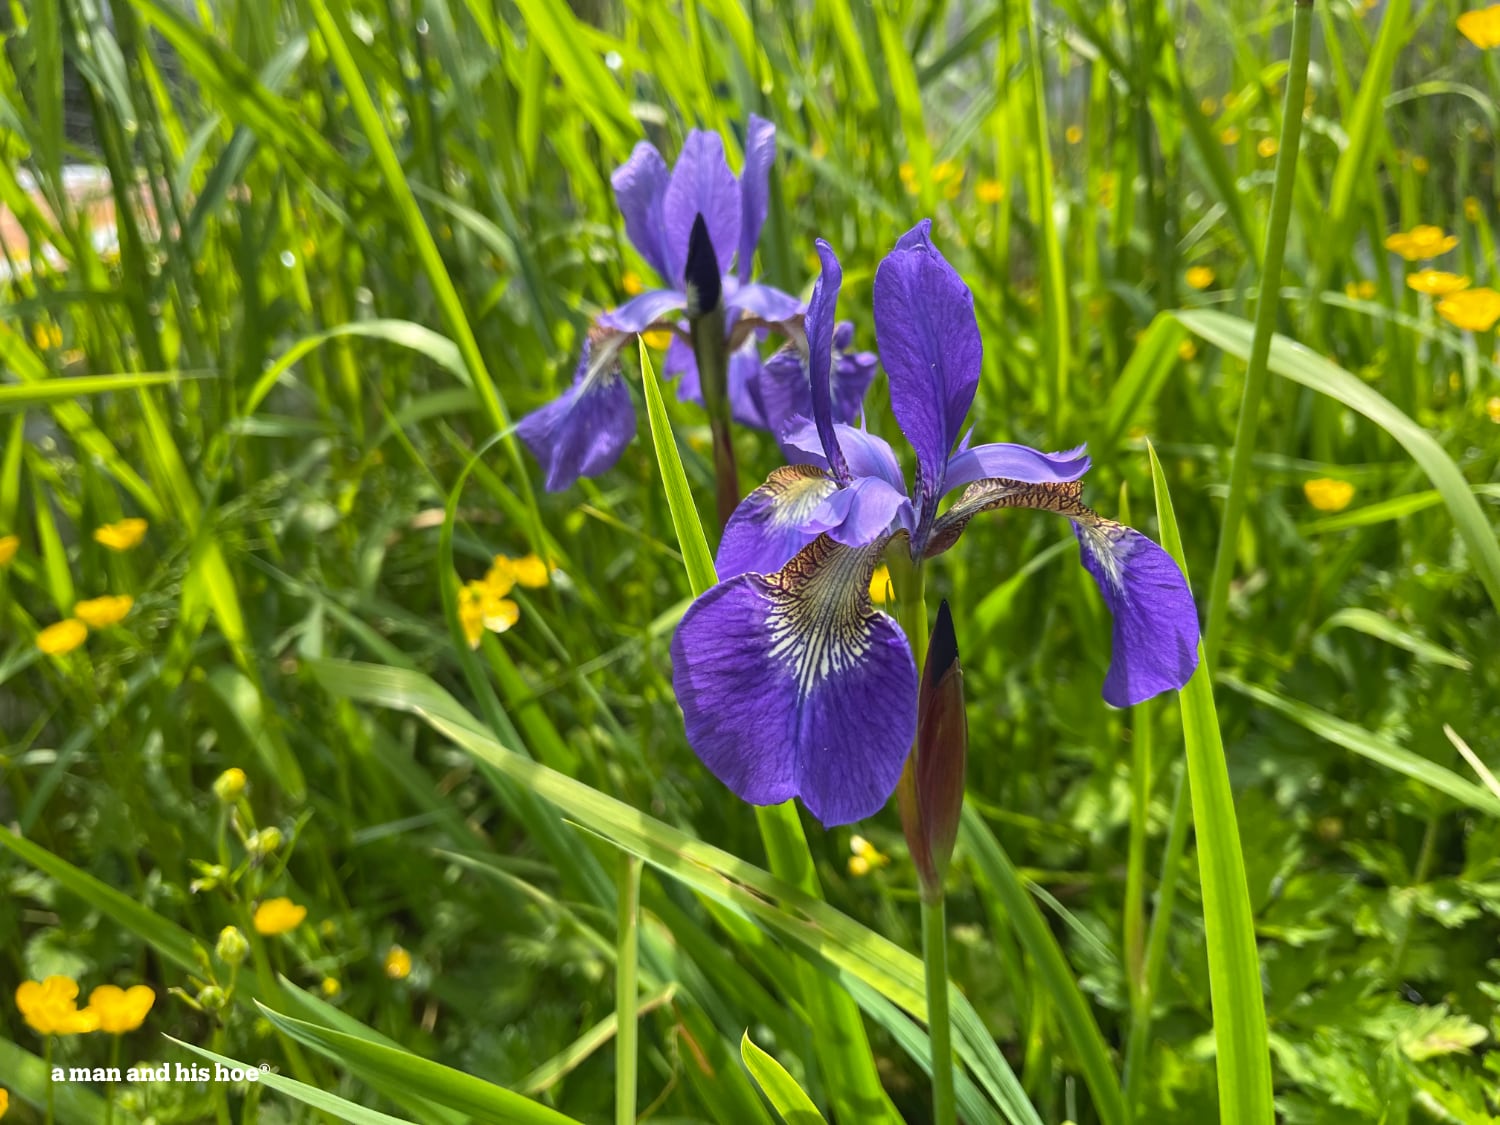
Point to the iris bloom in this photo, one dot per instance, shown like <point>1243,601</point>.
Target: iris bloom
<point>583,432</point>
<point>791,684</point>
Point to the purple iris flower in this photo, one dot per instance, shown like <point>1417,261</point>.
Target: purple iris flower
<point>583,432</point>
<point>790,682</point>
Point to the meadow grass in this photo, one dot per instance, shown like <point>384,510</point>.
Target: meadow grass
<point>330,250</point>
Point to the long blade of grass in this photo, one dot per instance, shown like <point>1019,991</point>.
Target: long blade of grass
<point>790,1100</point>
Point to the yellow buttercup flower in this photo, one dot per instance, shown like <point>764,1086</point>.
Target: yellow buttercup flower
<point>530,571</point>
<point>121,535</point>
<point>989,191</point>
<point>1436,282</point>
<point>1230,135</point>
<point>1073,134</point>
<point>50,1007</point>
<point>121,1009</point>
<point>880,585</point>
<point>658,340</point>
<point>278,916</point>
<point>1199,277</point>
<point>1481,27</point>
<point>1472,210</point>
<point>64,636</point>
<point>908,175</point>
<point>1421,165</point>
<point>4,1101</point>
<point>1328,495</point>
<point>1267,147</point>
<point>945,171</point>
<point>1209,106</point>
<point>397,963</point>
<point>1364,289</point>
<point>330,987</point>
<point>101,613</point>
<point>1474,310</point>
<point>9,544</point>
<point>631,283</point>
<point>47,337</point>
<point>866,857</point>
<point>229,786</point>
<point>1421,242</point>
<point>1187,350</point>
<point>1492,408</point>
<point>481,608</point>
<point>500,579</point>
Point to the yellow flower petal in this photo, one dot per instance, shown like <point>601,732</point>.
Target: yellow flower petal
<point>1436,282</point>
<point>1199,277</point>
<point>501,577</point>
<point>277,916</point>
<point>531,572</point>
<point>1482,27</point>
<point>9,544</point>
<point>880,586</point>
<point>1421,242</point>
<point>62,637</point>
<point>121,535</point>
<point>1474,310</point>
<point>119,1009</point>
<point>50,1007</point>
<point>1073,134</point>
<point>1328,495</point>
<point>101,613</point>
<point>989,191</point>
<point>500,614</point>
<point>397,963</point>
<point>631,283</point>
<point>1267,147</point>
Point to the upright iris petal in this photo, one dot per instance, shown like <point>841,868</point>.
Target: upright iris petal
<point>792,685</point>
<point>640,189</point>
<point>755,189</point>
<point>702,184</point>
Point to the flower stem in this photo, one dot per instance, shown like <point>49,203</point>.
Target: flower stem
<point>712,356</point>
<point>1265,324</point>
<point>47,1063</point>
<point>627,946</point>
<point>935,955</point>
<point>109,1093</point>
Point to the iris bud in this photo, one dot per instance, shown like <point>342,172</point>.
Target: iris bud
<point>931,794</point>
<point>704,288</point>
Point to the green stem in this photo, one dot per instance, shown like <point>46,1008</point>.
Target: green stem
<point>710,352</point>
<point>935,956</point>
<point>1135,871</point>
<point>109,1091</point>
<point>47,1063</point>
<point>627,944</point>
<point>1265,323</point>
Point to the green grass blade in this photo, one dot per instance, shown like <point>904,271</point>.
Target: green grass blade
<point>1244,1060</point>
<point>25,1076</point>
<point>23,396</point>
<point>696,556</point>
<point>790,1100</point>
<point>1295,362</point>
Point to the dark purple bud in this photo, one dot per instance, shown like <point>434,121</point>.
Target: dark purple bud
<point>932,791</point>
<point>701,273</point>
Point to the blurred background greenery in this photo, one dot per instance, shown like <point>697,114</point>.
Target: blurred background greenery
<point>275,316</point>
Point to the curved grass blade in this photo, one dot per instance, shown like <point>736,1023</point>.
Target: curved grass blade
<point>1244,1058</point>
<point>790,1100</point>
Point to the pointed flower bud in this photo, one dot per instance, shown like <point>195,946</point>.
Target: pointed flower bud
<point>932,791</point>
<point>701,274</point>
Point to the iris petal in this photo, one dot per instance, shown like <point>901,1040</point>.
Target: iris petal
<point>1155,645</point>
<point>1015,462</point>
<point>584,430</point>
<point>771,524</point>
<point>930,348</point>
<point>792,685</point>
<point>640,190</point>
<point>643,310</point>
<point>867,454</point>
<point>862,511</point>
<point>765,301</point>
<point>702,183</point>
<point>821,307</point>
<point>760,154</point>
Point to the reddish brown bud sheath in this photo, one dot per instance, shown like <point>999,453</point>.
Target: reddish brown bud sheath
<point>931,794</point>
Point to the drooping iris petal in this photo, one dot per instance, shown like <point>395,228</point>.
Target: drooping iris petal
<point>755,177</point>
<point>583,431</point>
<point>1015,462</point>
<point>821,307</point>
<point>702,183</point>
<point>867,454</point>
<point>785,395</point>
<point>930,348</point>
<point>643,310</point>
<point>792,685</point>
<point>852,373</point>
<point>770,525</point>
<point>1155,645</point>
<point>640,190</point>
<point>764,301</point>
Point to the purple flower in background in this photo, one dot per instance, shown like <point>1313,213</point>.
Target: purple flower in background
<point>790,682</point>
<point>583,432</point>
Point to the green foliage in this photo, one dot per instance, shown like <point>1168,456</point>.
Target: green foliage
<point>339,246</point>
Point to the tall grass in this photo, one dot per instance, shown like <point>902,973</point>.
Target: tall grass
<point>343,244</point>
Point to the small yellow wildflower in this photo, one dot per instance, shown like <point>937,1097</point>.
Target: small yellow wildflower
<point>1364,289</point>
<point>1230,99</point>
<point>9,544</point>
<point>880,585</point>
<point>908,177</point>
<point>4,1101</point>
<point>121,535</point>
<point>866,856</point>
<point>990,191</point>
<point>1421,242</point>
<point>50,1007</point>
<point>500,579</point>
<point>121,1009</point>
<point>1328,495</point>
<point>278,916</point>
<point>1436,282</point>
<point>658,340</point>
<point>1187,350</point>
<point>859,866</point>
<point>631,283</point>
<point>397,963</point>
<point>1474,310</point>
<point>1267,147</point>
<point>1481,27</point>
<point>480,608</point>
<point>62,637</point>
<point>101,613</point>
<point>1230,135</point>
<point>1421,165</point>
<point>1073,134</point>
<point>230,785</point>
<point>1199,277</point>
<point>530,571</point>
<point>945,171</point>
<point>1472,210</point>
<point>330,987</point>
<point>1492,408</point>
<point>47,337</point>
<point>1209,106</point>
